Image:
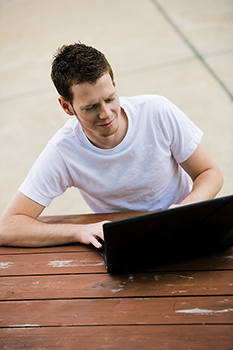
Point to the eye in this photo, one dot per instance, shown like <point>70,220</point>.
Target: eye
<point>110,100</point>
<point>91,108</point>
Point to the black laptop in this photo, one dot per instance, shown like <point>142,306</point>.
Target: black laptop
<point>166,236</point>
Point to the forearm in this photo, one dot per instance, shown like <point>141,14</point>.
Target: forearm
<point>24,231</point>
<point>205,186</point>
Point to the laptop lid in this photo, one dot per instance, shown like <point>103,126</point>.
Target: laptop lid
<point>153,239</point>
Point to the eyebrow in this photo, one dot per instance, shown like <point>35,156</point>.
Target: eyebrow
<point>93,104</point>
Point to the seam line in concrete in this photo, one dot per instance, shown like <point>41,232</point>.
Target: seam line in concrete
<point>192,47</point>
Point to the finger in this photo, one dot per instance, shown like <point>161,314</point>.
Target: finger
<point>96,243</point>
<point>98,238</point>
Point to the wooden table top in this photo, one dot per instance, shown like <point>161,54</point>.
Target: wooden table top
<point>63,298</point>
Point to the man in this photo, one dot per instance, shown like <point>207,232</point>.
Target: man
<point>122,154</point>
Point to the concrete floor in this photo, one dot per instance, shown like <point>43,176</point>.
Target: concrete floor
<point>181,49</point>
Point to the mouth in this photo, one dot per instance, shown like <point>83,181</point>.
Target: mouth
<point>107,125</point>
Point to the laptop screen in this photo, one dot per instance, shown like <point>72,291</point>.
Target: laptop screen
<point>169,235</point>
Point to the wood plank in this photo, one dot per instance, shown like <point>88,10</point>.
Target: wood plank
<point>25,264</point>
<point>90,261</point>
<point>119,311</point>
<point>107,286</point>
<point>221,260</point>
<point>198,337</point>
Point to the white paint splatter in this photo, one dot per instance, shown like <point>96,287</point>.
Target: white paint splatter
<point>203,311</point>
<point>73,263</point>
<point>5,265</point>
<point>224,300</point>
<point>25,325</point>
<point>227,257</point>
<point>117,290</point>
<point>190,278</point>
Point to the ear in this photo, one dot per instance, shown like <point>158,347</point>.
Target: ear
<point>113,81</point>
<point>66,106</point>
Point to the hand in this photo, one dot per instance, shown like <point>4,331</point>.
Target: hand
<point>91,232</point>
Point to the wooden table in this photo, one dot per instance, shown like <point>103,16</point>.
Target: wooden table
<point>63,298</point>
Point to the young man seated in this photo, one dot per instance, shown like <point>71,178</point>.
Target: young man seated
<point>123,154</point>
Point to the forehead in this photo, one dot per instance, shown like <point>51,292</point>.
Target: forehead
<point>86,93</point>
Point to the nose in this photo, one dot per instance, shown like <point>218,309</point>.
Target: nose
<point>104,112</point>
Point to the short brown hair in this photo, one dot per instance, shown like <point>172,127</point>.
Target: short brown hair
<point>77,64</point>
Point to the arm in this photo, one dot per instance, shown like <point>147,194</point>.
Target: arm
<point>207,177</point>
<point>19,227</point>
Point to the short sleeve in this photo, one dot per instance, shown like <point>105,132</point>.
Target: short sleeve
<point>48,177</point>
<point>184,135</point>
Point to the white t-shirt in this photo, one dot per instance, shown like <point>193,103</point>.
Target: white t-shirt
<point>140,173</point>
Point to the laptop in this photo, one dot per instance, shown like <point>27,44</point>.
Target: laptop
<point>168,236</point>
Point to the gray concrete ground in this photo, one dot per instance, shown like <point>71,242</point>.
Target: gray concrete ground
<point>182,49</point>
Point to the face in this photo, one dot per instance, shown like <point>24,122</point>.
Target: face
<point>98,110</point>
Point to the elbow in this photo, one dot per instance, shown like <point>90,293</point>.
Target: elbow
<point>4,232</point>
<point>219,180</point>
